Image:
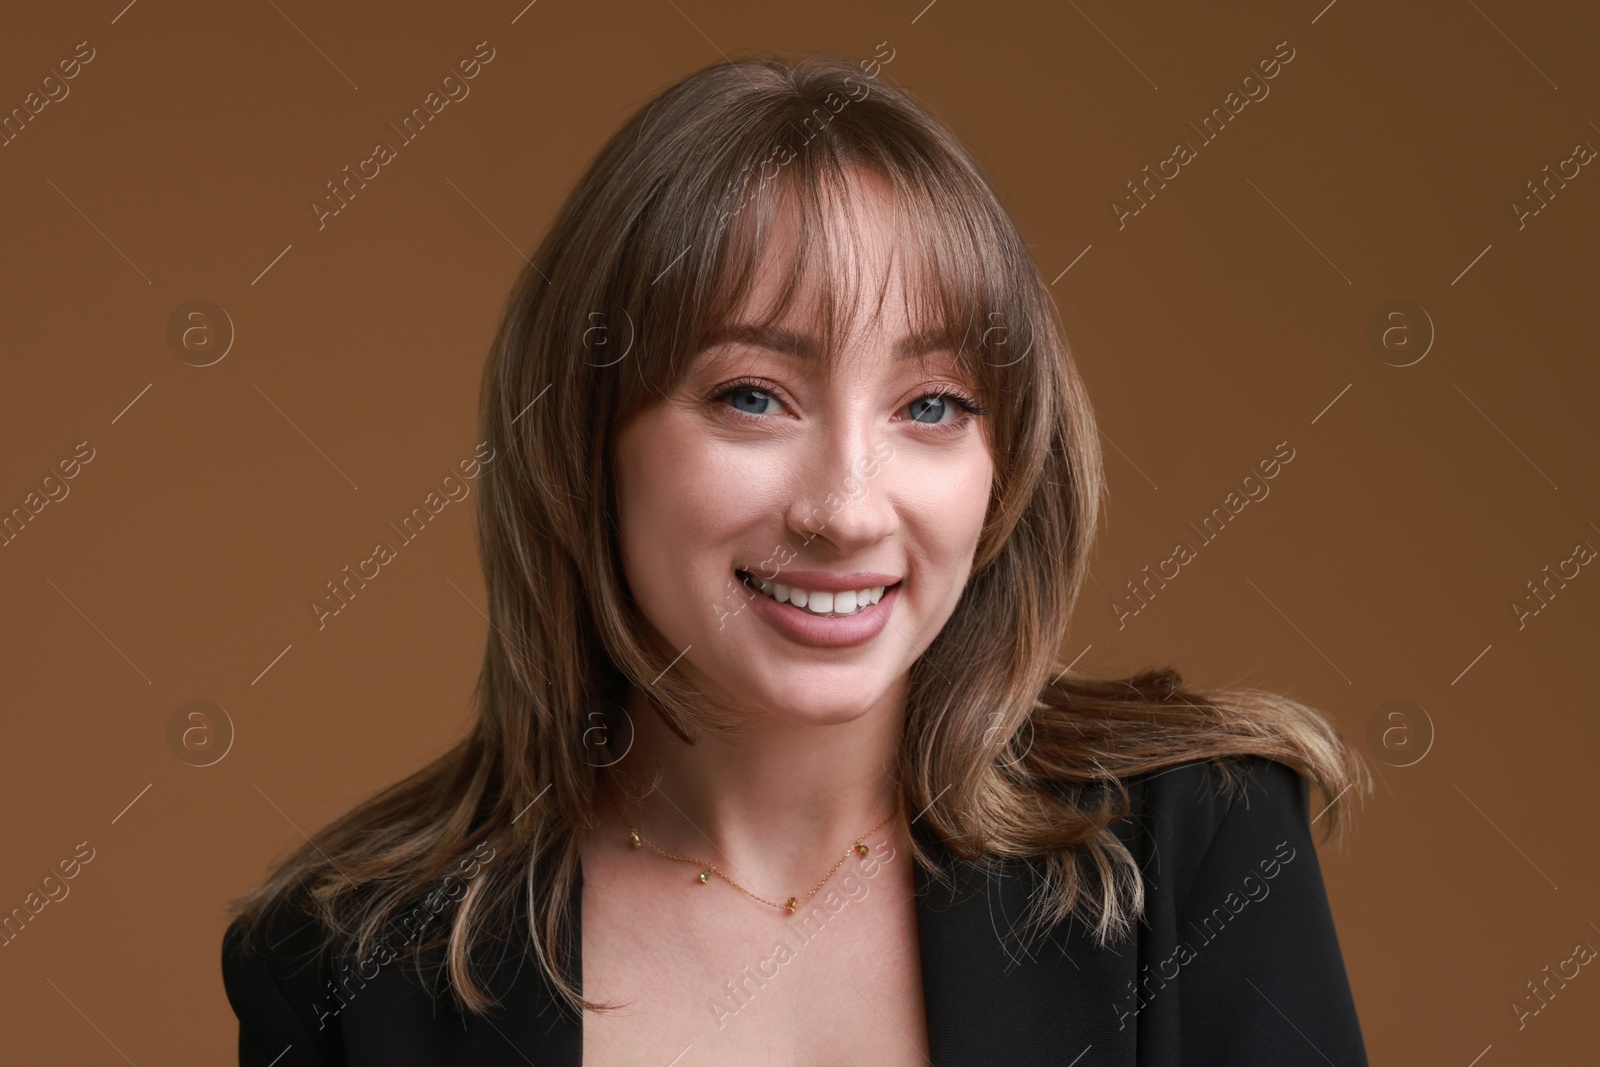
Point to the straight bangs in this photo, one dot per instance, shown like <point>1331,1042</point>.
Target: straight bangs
<point>966,290</point>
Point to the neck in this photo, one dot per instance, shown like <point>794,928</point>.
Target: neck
<point>773,802</point>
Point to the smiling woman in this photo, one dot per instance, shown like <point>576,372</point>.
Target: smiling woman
<point>817,413</point>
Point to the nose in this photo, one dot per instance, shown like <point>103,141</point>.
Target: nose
<point>841,493</point>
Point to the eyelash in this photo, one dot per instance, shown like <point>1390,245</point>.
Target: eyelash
<point>973,407</point>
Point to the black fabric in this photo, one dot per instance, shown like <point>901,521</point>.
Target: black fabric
<point>1236,962</point>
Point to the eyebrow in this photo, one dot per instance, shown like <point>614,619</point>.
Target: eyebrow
<point>793,343</point>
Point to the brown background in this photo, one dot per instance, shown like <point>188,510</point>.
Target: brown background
<point>1229,315</point>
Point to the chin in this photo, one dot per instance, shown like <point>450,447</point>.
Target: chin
<point>824,711</point>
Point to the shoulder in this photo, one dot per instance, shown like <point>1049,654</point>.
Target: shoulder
<point>1243,812</point>
<point>1236,913</point>
<point>276,978</point>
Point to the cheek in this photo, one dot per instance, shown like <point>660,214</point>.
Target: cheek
<point>683,503</point>
<point>951,497</point>
<point>943,505</point>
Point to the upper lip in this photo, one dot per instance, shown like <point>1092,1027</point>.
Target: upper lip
<point>824,581</point>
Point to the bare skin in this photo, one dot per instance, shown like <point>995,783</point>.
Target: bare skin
<point>707,973</point>
<point>704,490</point>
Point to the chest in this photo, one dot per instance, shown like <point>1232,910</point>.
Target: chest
<point>702,974</point>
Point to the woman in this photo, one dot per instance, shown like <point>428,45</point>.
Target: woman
<point>775,758</point>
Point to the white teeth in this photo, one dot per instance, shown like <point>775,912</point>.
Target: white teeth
<point>822,602</point>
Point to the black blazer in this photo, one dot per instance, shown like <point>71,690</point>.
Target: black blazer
<point>1235,963</point>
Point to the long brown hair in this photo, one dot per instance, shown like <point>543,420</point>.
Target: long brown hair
<point>1006,754</point>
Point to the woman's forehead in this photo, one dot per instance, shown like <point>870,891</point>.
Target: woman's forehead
<point>895,343</point>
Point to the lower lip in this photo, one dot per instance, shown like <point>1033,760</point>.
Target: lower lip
<point>819,631</point>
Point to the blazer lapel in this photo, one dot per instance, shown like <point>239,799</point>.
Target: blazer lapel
<point>991,998</point>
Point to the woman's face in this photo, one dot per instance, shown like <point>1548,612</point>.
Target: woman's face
<point>758,465</point>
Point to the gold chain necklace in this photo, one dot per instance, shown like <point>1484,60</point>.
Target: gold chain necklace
<point>637,840</point>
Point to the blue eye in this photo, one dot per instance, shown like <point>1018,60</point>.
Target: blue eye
<point>939,404</point>
<point>935,402</point>
<point>758,398</point>
<point>752,400</point>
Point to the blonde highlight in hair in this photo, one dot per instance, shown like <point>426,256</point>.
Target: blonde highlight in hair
<point>1004,753</point>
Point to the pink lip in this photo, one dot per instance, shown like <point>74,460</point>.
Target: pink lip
<point>817,631</point>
